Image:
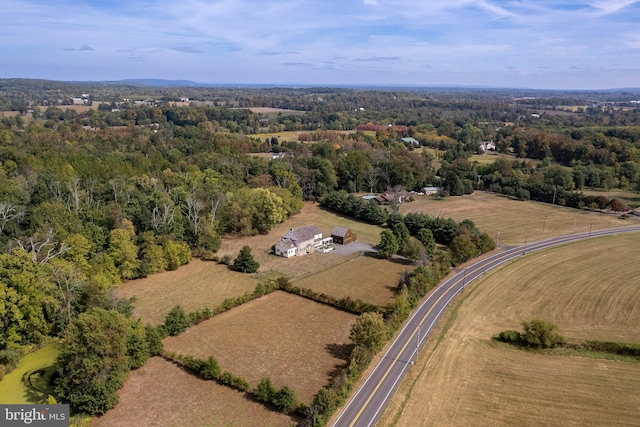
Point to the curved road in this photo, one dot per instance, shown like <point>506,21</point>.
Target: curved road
<point>366,405</point>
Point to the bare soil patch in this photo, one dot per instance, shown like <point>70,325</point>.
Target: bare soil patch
<point>162,394</point>
<point>292,340</point>
<point>517,221</point>
<point>463,378</point>
<point>194,286</point>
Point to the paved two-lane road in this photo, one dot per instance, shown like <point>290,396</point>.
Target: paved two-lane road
<point>366,405</point>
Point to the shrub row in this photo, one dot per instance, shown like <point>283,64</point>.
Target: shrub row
<point>330,398</point>
<point>347,304</point>
<point>283,399</point>
<point>545,193</point>
<point>177,321</point>
<point>355,207</point>
<point>208,370</point>
<point>621,349</point>
<point>537,334</point>
<point>540,334</point>
<point>417,284</point>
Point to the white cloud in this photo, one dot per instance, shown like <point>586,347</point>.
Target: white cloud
<point>607,7</point>
<point>269,41</point>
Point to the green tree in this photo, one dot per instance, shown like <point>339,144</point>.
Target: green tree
<point>124,253</point>
<point>177,254</point>
<point>26,293</point>
<point>93,361</point>
<point>154,340</point>
<point>425,236</point>
<point>244,262</point>
<point>265,391</point>
<point>388,245</point>
<point>153,259</point>
<point>541,334</point>
<point>462,248</point>
<point>176,321</point>
<point>370,331</point>
<point>327,400</point>
<point>401,232</point>
<point>412,249</point>
<point>210,369</point>
<point>137,345</point>
<point>284,399</point>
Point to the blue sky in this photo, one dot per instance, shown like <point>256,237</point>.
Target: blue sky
<point>520,43</point>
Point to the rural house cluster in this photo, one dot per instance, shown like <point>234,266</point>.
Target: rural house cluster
<point>307,239</point>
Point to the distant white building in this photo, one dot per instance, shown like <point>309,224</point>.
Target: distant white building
<point>428,191</point>
<point>410,141</point>
<point>488,146</point>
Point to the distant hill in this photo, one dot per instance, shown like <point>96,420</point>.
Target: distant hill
<point>160,83</point>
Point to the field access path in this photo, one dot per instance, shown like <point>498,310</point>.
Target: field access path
<point>366,405</point>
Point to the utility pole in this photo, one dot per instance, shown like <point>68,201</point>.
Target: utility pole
<point>498,238</point>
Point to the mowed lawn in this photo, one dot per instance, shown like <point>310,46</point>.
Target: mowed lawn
<point>299,267</point>
<point>292,340</point>
<point>590,289</point>
<point>194,286</point>
<point>206,284</point>
<point>516,221</point>
<point>366,278</point>
<point>160,394</point>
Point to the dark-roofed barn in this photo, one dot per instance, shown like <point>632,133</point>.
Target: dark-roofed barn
<point>343,236</point>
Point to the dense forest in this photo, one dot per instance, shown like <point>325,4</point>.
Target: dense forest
<point>151,176</point>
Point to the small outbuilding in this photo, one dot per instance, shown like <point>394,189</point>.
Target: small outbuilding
<point>343,236</point>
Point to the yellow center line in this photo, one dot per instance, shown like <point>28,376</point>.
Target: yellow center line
<point>375,390</point>
<point>399,353</point>
<point>532,246</point>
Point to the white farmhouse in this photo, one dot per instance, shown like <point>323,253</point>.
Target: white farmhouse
<point>300,241</point>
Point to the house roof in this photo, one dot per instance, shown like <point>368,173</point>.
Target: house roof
<point>339,231</point>
<point>302,234</point>
<point>410,140</point>
<point>286,244</point>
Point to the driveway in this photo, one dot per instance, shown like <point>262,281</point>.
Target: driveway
<point>356,246</point>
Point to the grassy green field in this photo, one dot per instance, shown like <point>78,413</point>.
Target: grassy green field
<point>590,289</point>
<point>36,368</point>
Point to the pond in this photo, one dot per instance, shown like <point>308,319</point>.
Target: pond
<point>30,381</point>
